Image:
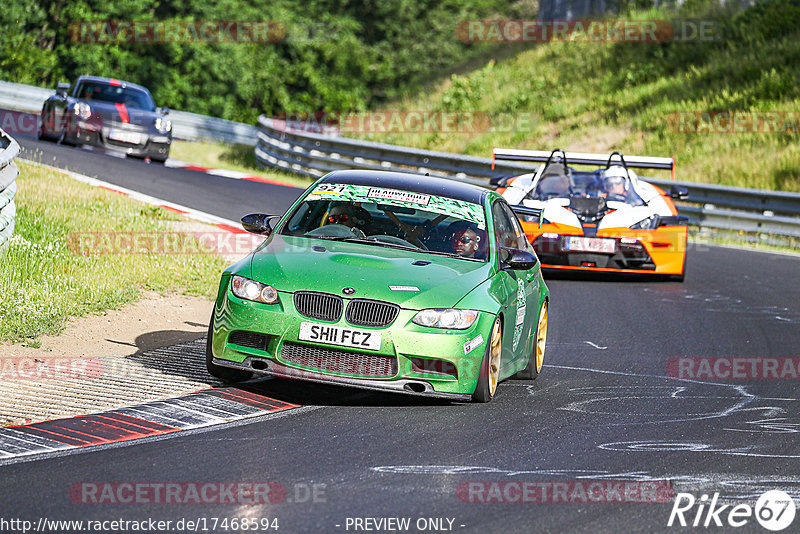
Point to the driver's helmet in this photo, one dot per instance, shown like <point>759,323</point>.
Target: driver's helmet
<point>347,214</point>
<point>615,182</point>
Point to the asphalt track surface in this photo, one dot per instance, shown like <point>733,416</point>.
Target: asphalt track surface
<point>603,409</point>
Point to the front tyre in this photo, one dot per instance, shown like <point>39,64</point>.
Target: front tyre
<point>536,359</point>
<point>226,374</point>
<point>489,375</point>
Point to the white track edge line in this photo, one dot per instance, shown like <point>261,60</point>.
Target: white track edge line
<point>141,197</point>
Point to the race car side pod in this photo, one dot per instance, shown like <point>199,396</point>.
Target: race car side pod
<point>533,212</point>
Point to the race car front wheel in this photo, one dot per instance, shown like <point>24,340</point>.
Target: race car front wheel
<point>226,374</point>
<point>489,375</point>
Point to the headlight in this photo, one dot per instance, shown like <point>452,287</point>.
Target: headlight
<point>247,289</point>
<point>446,318</point>
<point>645,224</point>
<point>163,125</point>
<point>83,110</point>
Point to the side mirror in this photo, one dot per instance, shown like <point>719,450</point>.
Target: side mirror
<point>62,88</point>
<point>499,181</point>
<point>676,220</point>
<point>258,223</point>
<point>678,192</point>
<point>164,110</point>
<point>518,260</point>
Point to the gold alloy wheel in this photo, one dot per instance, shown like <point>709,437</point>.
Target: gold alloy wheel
<point>494,357</point>
<point>541,337</point>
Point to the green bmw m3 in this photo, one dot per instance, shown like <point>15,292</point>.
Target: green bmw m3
<point>385,281</point>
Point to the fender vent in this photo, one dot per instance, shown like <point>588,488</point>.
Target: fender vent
<point>253,340</point>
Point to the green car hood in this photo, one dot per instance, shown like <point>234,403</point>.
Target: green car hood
<point>291,264</point>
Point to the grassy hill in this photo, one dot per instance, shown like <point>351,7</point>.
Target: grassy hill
<point>599,97</point>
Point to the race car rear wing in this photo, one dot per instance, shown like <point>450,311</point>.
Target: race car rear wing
<point>582,158</point>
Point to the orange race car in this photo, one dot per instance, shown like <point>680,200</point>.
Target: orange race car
<point>605,219</point>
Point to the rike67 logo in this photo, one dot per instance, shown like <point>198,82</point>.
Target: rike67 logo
<point>774,510</point>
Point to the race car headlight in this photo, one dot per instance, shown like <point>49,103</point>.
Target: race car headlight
<point>645,224</point>
<point>163,125</point>
<point>446,318</point>
<point>83,110</point>
<point>247,289</point>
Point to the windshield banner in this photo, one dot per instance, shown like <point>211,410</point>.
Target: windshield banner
<point>451,207</point>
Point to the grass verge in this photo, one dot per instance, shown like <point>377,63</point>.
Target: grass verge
<point>231,157</point>
<point>44,283</point>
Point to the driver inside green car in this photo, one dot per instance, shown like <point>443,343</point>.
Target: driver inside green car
<point>467,241</point>
<point>346,214</point>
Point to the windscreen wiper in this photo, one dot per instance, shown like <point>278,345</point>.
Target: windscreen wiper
<point>374,241</point>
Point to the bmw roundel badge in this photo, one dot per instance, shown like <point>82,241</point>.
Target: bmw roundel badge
<point>348,291</point>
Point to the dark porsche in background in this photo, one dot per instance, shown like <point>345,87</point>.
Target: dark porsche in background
<point>107,113</point>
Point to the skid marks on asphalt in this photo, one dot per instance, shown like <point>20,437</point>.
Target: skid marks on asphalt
<point>734,487</point>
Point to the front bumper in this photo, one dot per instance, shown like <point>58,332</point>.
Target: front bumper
<point>149,144</point>
<point>657,251</point>
<point>424,361</point>
<point>405,386</point>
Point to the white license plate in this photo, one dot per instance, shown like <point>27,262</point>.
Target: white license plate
<point>590,244</point>
<point>125,137</point>
<point>336,335</point>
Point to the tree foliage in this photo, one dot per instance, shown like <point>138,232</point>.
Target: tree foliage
<point>335,55</point>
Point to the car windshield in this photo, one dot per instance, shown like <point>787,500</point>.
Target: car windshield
<point>595,184</point>
<point>115,94</point>
<point>392,218</point>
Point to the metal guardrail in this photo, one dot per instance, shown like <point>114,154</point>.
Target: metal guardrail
<point>315,154</point>
<point>185,125</point>
<point>9,149</point>
<point>710,206</point>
